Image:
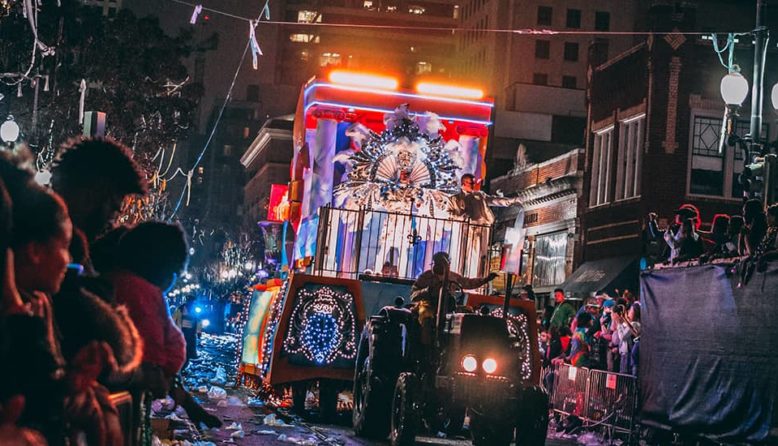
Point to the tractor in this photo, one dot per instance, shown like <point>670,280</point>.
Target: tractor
<point>476,364</point>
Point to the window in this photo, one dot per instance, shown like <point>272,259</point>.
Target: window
<point>601,166</point>
<point>391,9</point>
<point>252,93</point>
<point>542,49</point>
<point>456,11</point>
<point>540,79</point>
<point>712,173</point>
<point>545,14</point>
<point>414,9</point>
<point>569,82</point>
<point>571,51</point>
<point>423,67</point>
<point>368,4</point>
<point>304,55</point>
<point>550,256</point>
<point>308,16</point>
<point>227,150</point>
<point>329,59</point>
<point>246,132</point>
<point>573,18</point>
<point>304,38</point>
<point>631,133</point>
<point>602,21</point>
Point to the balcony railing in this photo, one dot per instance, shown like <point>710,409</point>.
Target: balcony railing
<point>352,242</point>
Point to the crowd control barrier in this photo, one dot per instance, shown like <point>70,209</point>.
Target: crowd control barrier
<point>597,397</point>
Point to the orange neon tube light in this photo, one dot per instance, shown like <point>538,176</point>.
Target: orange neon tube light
<point>363,80</point>
<point>449,90</point>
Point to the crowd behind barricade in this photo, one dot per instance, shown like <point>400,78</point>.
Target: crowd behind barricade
<point>603,334</point>
<point>82,310</point>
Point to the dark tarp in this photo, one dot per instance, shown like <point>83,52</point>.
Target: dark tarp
<point>604,275</point>
<point>708,356</point>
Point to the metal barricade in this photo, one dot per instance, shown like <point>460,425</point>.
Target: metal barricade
<point>570,389</point>
<point>612,399</point>
<point>598,397</point>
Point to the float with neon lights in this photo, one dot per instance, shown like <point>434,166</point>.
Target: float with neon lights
<point>373,169</point>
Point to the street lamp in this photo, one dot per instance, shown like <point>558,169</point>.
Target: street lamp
<point>9,130</point>
<point>734,89</point>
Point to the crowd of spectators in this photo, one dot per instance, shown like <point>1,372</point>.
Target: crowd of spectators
<point>603,334</point>
<point>751,234</point>
<point>76,328</point>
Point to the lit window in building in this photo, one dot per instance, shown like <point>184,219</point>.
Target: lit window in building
<point>329,59</point>
<point>305,55</point>
<point>368,4</point>
<point>246,132</point>
<point>304,38</point>
<point>550,255</point>
<point>423,67</point>
<point>631,131</point>
<point>601,166</point>
<point>456,11</point>
<point>418,10</point>
<point>308,16</point>
<point>712,173</point>
<point>227,150</point>
<point>391,9</point>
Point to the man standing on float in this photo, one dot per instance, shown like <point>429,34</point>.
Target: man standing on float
<point>473,205</point>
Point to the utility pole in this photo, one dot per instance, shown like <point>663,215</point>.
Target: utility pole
<point>761,36</point>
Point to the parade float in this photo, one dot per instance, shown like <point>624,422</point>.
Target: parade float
<point>373,169</point>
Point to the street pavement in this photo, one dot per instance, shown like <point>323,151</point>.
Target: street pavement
<point>249,420</point>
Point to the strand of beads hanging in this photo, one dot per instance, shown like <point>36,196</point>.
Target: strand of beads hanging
<point>322,327</point>
<point>408,164</point>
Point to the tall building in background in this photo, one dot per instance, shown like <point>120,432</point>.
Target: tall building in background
<point>539,81</point>
<point>307,50</point>
<point>109,8</point>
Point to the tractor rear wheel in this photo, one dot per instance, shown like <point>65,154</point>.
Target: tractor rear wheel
<point>405,417</point>
<point>372,398</point>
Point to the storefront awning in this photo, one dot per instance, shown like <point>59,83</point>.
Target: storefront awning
<point>604,275</point>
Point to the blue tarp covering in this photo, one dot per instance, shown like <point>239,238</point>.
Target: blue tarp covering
<point>708,351</point>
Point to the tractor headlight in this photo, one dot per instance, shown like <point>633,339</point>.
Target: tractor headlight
<point>489,365</point>
<point>469,363</point>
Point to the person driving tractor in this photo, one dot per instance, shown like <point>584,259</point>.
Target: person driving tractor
<point>424,292</point>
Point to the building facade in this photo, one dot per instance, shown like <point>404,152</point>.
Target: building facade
<point>551,193</point>
<point>539,81</point>
<point>655,118</point>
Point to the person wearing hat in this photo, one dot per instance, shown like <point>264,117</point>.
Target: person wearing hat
<point>427,286</point>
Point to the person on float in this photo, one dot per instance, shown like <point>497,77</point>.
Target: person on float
<point>473,205</point>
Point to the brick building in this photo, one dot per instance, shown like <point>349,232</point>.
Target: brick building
<point>655,114</point>
<point>550,192</point>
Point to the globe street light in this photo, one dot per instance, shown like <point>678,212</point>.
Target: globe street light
<point>9,130</point>
<point>734,89</point>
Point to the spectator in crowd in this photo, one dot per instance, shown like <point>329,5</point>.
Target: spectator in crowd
<point>734,246</point>
<point>685,243</point>
<point>563,311</point>
<point>93,176</point>
<point>717,238</point>
<point>186,318</point>
<point>628,328</point>
<point>152,255</point>
<point>755,225</point>
<point>580,344</point>
<point>61,392</point>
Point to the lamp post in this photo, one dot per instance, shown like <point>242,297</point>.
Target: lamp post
<point>734,89</point>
